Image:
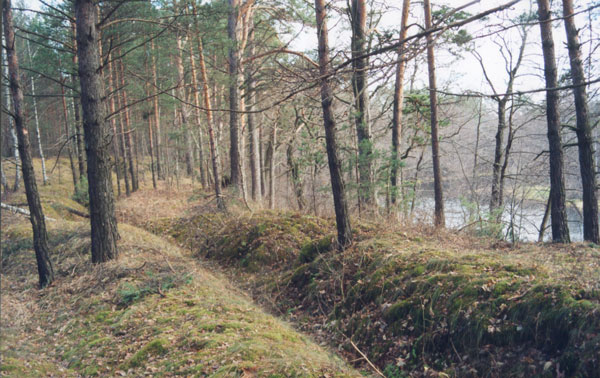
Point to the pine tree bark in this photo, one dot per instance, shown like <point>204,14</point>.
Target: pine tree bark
<point>196,93</point>
<point>75,102</point>
<point>38,224</point>
<point>398,105</point>
<point>439,220</point>
<point>234,95</point>
<point>184,111</point>
<point>159,170</point>
<point>122,164</point>
<point>214,147</point>
<point>558,212</point>
<point>125,102</point>
<point>104,232</point>
<point>150,133</point>
<point>37,122</point>
<point>253,131</point>
<point>360,66</point>
<point>584,131</point>
<point>342,215</point>
<point>13,135</point>
<point>113,123</point>
<point>68,141</point>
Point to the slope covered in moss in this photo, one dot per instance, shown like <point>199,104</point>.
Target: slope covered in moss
<point>415,301</point>
<point>156,311</point>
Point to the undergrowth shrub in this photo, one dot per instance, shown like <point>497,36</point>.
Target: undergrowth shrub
<point>81,194</point>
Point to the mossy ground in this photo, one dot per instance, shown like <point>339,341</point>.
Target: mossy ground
<point>155,311</point>
<point>413,299</point>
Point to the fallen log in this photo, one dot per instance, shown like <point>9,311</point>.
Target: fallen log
<point>18,210</point>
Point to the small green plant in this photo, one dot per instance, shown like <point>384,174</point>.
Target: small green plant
<point>393,371</point>
<point>81,194</point>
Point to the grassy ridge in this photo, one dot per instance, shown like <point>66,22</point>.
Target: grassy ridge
<point>414,301</point>
<point>154,311</point>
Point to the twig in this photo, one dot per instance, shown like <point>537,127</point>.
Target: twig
<point>366,359</point>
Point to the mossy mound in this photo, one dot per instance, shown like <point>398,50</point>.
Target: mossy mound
<point>418,302</point>
<point>154,311</point>
<point>259,242</point>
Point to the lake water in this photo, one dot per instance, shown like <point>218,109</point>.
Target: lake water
<point>526,219</point>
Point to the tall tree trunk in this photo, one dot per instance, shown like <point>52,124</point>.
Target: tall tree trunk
<point>584,131</point>
<point>113,122</point>
<point>75,102</point>
<point>435,142</point>
<point>156,113</point>
<point>342,216</point>
<point>102,210</point>
<point>398,104</point>
<point>38,224</point>
<point>13,137</point>
<point>253,131</point>
<point>360,66</point>
<point>196,93</point>
<point>68,141</point>
<point>234,95</point>
<point>37,122</point>
<point>296,178</point>
<point>496,198</point>
<point>501,153</point>
<point>271,164</point>
<point>123,163</point>
<point>214,147</point>
<point>184,111</point>
<point>125,102</point>
<point>560,229</point>
<point>150,131</point>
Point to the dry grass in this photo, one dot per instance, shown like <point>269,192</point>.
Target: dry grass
<point>155,311</point>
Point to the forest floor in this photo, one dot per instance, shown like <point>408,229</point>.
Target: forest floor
<point>157,311</point>
<point>415,301</point>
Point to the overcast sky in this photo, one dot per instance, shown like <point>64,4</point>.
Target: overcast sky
<point>455,74</point>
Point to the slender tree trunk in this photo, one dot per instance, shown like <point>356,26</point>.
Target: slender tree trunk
<point>115,135</point>
<point>75,102</point>
<point>584,131</point>
<point>496,197</point>
<point>38,224</point>
<point>560,229</point>
<point>15,141</point>
<point>37,122</point>
<point>253,131</point>
<point>68,141</point>
<point>545,219</point>
<point>125,102</point>
<point>214,147</point>
<point>150,133</point>
<point>296,178</point>
<point>360,66</point>
<point>337,182</point>
<point>196,93</point>
<point>271,164</point>
<point>102,211</point>
<point>398,105</point>
<point>184,111</point>
<point>234,95</point>
<point>156,114</point>
<point>121,135</point>
<point>435,142</point>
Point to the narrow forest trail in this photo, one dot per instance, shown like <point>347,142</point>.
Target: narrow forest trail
<point>181,298</point>
<point>415,301</point>
<point>155,311</point>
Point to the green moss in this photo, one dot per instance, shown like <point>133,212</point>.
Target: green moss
<point>397,311</point>
<point>154,348</point>
<point>311,250</point>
